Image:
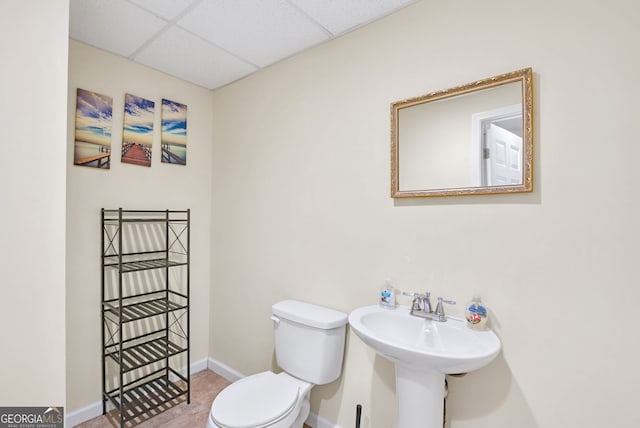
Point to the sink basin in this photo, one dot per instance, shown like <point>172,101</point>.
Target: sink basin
<point>423,352</point>
<point>449,347</point>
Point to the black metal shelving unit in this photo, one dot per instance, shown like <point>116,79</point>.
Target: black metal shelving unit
<point>145,311</point>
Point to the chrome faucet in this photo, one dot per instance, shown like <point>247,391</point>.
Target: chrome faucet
<point>421,306</point>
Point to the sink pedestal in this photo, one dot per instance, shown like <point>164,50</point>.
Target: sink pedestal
<point>422,351</point>
<point>420,397</point>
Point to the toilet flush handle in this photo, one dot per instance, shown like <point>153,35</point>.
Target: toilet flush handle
<point>275,319</point>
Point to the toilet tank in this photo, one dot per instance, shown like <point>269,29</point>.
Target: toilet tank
<point>309,340</point>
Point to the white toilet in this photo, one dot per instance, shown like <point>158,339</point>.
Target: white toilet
<point>309,346</point>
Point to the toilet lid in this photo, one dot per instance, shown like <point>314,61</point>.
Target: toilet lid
<point>254,401</point>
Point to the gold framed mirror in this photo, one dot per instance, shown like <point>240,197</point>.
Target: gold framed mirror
<point>472,139</point>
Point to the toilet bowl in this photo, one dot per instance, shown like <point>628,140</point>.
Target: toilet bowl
<point>263,400</point>
<point>309,347</point>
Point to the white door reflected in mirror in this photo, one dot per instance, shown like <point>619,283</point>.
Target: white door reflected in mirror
<point>503,165</point>
<point>496,147</point>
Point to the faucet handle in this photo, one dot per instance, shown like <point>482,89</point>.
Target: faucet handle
<point>416,296</point>
<point>424,295</point>
<point>415,304</point>
<point>411,294</point>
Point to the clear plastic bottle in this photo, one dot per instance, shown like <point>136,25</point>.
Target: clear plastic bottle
<point>476,314</point>
<point>388,295</point>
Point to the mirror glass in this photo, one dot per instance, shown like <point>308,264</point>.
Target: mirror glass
<point>471,139</point>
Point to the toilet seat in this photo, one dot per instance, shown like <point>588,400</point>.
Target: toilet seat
<point>255,401</point>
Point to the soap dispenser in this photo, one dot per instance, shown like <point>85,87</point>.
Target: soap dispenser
<point>476,314</point>
<point>388,295</point>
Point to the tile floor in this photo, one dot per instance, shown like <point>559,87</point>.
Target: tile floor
<point>205,385</point>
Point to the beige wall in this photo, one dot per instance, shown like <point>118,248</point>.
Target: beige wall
<point>302,209</point>
<point>162,186</point>
<point>33,54</point>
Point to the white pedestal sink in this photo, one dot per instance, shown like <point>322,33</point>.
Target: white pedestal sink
<point>423,351</point>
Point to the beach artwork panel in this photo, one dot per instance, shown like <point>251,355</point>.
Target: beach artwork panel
<point>137,133</point>
<point>94,114</point>
<point>174,132</point>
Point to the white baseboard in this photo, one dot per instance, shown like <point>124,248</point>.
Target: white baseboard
<point>223,370</point>
<point>84,414</point>
<point>198,366</point>
<point>93,410</point>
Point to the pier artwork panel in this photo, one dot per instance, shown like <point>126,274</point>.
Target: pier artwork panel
<point>92,140</point>
<point>137,133</point>
<point>174,132</point>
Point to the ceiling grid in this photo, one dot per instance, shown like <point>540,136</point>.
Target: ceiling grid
<point>212,43</point>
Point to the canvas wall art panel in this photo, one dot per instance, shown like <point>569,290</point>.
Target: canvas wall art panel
<point>174,132</point>
<point>137,133</point>
<point>92,146</point>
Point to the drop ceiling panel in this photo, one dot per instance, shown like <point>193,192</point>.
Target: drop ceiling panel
<point>214,42</point>
<point>116,26</point>
<point>168,9</point>
<point>181,54</point>
<point>339,16</point>
<point>259,31</point>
